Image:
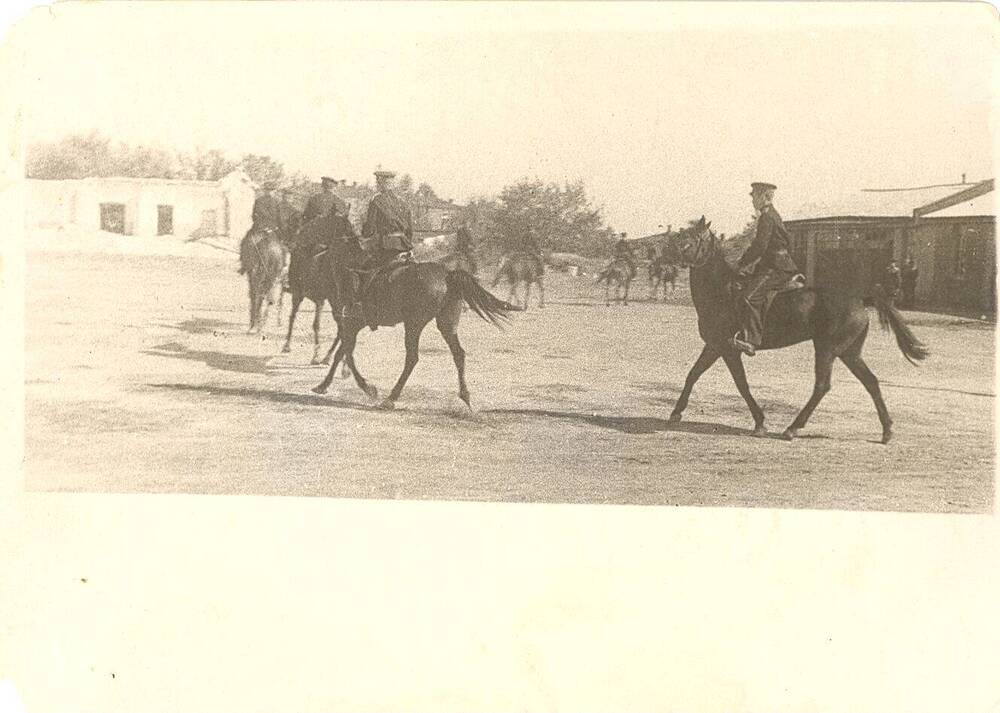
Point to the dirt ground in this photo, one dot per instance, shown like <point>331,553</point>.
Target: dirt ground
<point>141,378</point>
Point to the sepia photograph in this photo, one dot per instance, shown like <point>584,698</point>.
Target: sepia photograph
<point>671,259</point>
<point>622,269</point>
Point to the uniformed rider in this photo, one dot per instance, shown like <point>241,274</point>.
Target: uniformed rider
<point>622,250</point>
<point>321,203</point>
<point>388,226</point>
<point>774,267</point>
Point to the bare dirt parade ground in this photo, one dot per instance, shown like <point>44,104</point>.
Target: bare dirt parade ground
<point>141,378</point>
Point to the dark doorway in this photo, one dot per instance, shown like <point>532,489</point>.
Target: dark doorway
<point>113,217</point>
<point>164,220</point>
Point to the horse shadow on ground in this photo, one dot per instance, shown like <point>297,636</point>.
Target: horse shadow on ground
<point>632,425</point>
<point>265,395</point>
<point>201,325</point>
<point>239,363</point>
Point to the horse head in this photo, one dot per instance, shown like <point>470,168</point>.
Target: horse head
<point>697,244</point>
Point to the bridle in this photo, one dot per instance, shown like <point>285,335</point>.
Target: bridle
<point>700,252</point>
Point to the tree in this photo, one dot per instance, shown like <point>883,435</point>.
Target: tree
<point>76,156</point>
<point>561,217</point>
<point>262,169</point>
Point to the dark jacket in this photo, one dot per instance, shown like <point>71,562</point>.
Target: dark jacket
<point>289,218</point>
<point>321,203</point>
<point>265,213</point>
<point>770,245</point>
<point>389,224</point>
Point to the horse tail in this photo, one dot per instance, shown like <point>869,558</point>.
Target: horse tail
<point>464,286</point>
<point>890,318</point>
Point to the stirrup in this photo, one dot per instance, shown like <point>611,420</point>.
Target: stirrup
<point>743,345</point>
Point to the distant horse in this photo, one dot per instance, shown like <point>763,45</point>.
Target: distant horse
<point>413,293</point>
<point>661,271</point>
<point>522,268</point>
<point>835,321</point>
<point>262,260</point>
<point>313,277</point>
<point>619,273</point>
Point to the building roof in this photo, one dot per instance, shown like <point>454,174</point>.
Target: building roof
<point>889,202</point>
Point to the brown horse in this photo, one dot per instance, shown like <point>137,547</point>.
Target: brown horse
<point>835,321</point>
<point>413,293</point>
<point>262,260</point>
<point>522,268</point>
<point>619,273</point>
<point>661,271</point>
<point>312,276</point>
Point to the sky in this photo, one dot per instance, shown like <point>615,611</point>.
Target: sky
<point>665,111</point>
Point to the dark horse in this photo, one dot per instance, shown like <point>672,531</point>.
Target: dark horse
<point>618,272</point>
<point>413,293</point>
<point>522,268</point>
<point>661,271</point>
<point>262,260</point>
<point>836,322</point>
<point>312,277</point>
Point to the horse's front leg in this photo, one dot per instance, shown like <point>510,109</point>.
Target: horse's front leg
<point>705,360</point>
<point>735,364</point>
<point>316,325</point>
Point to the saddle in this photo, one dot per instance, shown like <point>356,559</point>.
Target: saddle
<point>377,279</point>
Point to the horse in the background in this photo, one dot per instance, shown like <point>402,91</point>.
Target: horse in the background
<point>661,271</point>
<point>619,274</point>
<point>262,260</point>
<point>836,322</point>
<point>522,268</point>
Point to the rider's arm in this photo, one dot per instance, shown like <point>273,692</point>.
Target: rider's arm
<point>765,228</point>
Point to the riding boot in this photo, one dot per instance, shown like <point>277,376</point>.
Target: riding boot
<point>740,343</point>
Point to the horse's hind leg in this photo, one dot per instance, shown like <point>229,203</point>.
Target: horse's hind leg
<point>317,320</point>
<point>735,364</point>
<point>705,360</point>
<point>296,301</point>
<point>447,324</point>
<point>527,293</point>
<point>413,330</point>
<point>852,359</point>
<point>541,293</point>
<point>824,368</point>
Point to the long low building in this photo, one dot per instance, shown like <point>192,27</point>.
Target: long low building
<point>948,229</point>
<point>144,206</point>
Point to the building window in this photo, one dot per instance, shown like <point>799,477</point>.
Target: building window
<point>164,220</point>
<point>113,217</point>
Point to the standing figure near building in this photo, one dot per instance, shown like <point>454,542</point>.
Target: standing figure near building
<point>321,203</point>
<point>622,250</point>
<point>463,239</point>
<point>774,268</point>
<point>264,222</point>
<point>892,281</point>
<point>909,282</point>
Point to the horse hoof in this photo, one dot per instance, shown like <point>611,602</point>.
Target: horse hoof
<point>286,349</point>
<point>886,436</point>
<point>759,432</point>
<point>387,405</point>
<point>674,418</point>
<point>319,389</point>
<point>789,434</point>
<point>372,393</point>
<point>316,361</point>
<point>467,400</point>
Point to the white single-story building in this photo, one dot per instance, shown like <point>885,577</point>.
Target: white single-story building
<point>145,206</point>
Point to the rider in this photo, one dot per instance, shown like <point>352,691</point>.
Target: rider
<point>774,268</point>
<point>387,236</point>
<point>321,203</point>
<point>265,221</point>
<point>622,250</point>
